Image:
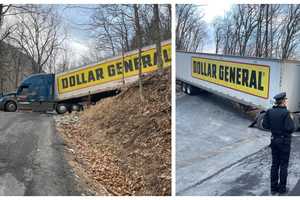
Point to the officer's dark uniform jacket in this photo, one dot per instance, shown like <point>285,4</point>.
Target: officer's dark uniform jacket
<point>278,120</point>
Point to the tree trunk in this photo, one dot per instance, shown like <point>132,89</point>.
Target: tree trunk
<point>1,10</point>
<point>157,37</point>
<point>123,60</point>
<point>271,32</point>
<point>266,32</point>
<point>1,85</point>
<point>139,44</point>
<point>258,33</point>
<point>17,70</point>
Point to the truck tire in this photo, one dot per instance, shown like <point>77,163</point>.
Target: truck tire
<point>183,87</point>
<point>61,108</point>
<point>76,107</point>
<point>10,106</point>
<point>190,90</point>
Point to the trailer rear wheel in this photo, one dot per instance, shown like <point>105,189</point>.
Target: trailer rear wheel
<point>76,107</point>
<point>183,87</point>
<point>61,108</point>
<point>190,90</point>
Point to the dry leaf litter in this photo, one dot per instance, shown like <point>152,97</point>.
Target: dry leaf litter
<point>122,143</point>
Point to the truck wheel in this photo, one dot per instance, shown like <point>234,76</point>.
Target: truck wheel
<point>61,108</point>
<point>76,107</point>
<point>183,87</point>
<point>10,106</point>
<point>189,89</point>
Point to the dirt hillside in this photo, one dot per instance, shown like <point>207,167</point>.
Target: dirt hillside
<point>122,143</point>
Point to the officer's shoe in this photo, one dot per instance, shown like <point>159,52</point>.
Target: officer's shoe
<point>274,192</point>
<point>283,191</point>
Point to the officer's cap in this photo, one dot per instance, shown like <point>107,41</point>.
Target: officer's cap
<point>280,96</point>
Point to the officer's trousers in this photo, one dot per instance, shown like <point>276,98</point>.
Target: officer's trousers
<point>281,148</point>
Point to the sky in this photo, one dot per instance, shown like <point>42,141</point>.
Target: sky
<point>79,38</point>
<point>212,11</point>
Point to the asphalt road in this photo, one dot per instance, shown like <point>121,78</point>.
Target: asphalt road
<point>31,157</point>
<point>251,176</point>
<point>211,136</point>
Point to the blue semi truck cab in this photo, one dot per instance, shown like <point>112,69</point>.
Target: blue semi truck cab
<point>37,93</point>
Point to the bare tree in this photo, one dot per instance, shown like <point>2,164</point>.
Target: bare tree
<point>157,36</point>
<point>112,25</point>
<point>64,63</point>
<point>105,39</point>
<point>139,44</point>
<point>37,35</point>
<point>165,17</point>
<point>291,29</point>
<point>190,28</point>
<point>14,65</point>
<point>259,30</point>
<point>267,32</point>
<point>7,11</point>
<point>246,24</point>
<point>5,29</point>
<point>258,52</point>
<point>218,33</point>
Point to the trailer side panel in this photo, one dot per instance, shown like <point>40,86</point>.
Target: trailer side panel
<point>290,84</point>
<point>109,74</point>
<point>270,69</point>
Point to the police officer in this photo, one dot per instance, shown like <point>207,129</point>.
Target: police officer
<point>278,120</point>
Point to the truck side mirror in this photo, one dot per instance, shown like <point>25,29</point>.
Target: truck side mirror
<point>21,87</point>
